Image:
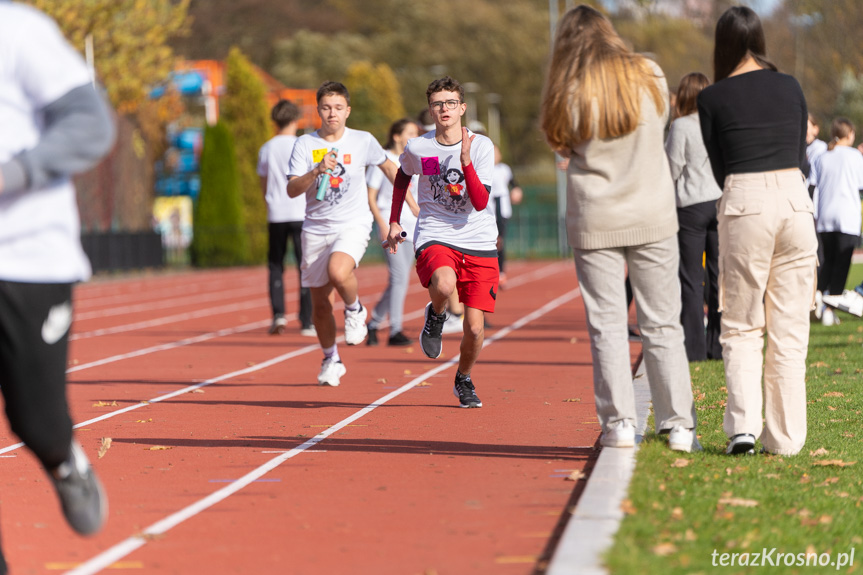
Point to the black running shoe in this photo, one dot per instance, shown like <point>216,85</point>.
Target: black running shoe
<point>464,391</point>
<point>81,495</point>
<point>398,339</point>
<point>742,443</point>
<point>373,337</point>
<point>430,336</point>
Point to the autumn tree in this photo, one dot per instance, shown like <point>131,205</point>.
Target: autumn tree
<point>245,112</point>
<point>376,101</point>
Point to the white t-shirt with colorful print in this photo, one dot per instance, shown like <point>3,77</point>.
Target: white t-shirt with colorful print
<point>346,202</point>
<point>446,213</point>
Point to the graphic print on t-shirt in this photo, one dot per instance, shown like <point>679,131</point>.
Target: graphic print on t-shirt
<point>447,187</point>
<point>337,186</point>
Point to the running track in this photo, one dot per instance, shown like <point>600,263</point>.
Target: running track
<point>227,457</point>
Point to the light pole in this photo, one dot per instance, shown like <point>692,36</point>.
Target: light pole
<point>493,117</point>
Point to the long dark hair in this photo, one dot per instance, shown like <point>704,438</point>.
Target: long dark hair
<point>738,34</point>
<point>396,129</point>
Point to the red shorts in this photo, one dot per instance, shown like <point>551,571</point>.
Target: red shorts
<point>476,276</point>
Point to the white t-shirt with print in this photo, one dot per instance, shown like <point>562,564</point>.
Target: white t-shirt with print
<point>446,214</point>
<point>839,174</point>
<point>40,232</point>
<point>376,179</point>
<point>347,198</point>
<point>273,164</point>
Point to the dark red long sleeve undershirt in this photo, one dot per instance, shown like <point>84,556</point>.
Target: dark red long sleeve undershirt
<point>400,189</point>
<point>477,192</point>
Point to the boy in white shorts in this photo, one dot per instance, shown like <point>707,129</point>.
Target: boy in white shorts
<point>336,229</point>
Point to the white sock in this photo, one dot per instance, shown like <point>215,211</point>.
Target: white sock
<point>354,306</point>
<point>332,353</point>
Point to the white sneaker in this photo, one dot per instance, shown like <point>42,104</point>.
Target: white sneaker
<point>850,302</point>
<point>355,326</point>
<point>828,318</point>
<point>331,372</point>
<point>453,324</point>
<point>619,434</point>
<point>819,304</point>
<point>308,331</point>
<point>683,439</point>
<point>278,325</point>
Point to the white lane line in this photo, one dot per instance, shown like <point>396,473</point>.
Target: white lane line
<point>168,303</point>
<point>174,344</point>
<point>222,309</point>
<point>124,548</point>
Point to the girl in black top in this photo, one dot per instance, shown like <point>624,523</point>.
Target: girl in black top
<point>753,121</point>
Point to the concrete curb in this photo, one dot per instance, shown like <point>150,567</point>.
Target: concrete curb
<point>589,533</point>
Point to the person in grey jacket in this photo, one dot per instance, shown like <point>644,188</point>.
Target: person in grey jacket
<point>53,124</point>
<point>697,193</point>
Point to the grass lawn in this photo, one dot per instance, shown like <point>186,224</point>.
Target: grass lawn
<point>685,510</point>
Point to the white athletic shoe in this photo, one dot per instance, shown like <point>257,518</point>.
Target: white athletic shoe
<point>828,318</point>
<point>331,372</point>
<point>682,439</point>
<point>819,305</point>
<point>850,302</point>
<point>355,326</point>
<point>454,323</point>
<point>619,434</point>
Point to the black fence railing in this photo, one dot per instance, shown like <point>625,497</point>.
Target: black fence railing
<point>118,251</point>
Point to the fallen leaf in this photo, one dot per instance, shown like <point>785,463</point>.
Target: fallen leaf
<point>680,463</point>
<point>819,451</point>
<point>144,420</point>
<point>575,475</point>
<point>835,462</point>
<point>160,448</point>
<point>382,380</point>
<point>104,404</point>
<point>573,340</point>
<point>818,364</point>
<point>197,391</point>
<point>690,535</point>
<point>664,549</point>
<point>572,399</point>
<point>834,394</point>
<point>828,481</point>
<point>423,384</point>
<point>250,363</point>
<point>407,372</point>
<point>627,507</point>
<point>106,445</point>
<point>738,502</point>
<point>677,513</point>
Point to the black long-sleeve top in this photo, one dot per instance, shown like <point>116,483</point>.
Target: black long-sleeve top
<point>754,122</point>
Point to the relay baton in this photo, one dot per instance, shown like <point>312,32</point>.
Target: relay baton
<point>402,235</point>
<point>322,188</point>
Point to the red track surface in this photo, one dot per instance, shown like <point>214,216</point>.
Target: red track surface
<point>413,485</point>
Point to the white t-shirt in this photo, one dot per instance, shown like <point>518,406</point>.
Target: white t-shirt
<point>273,164</point>
<point>839,181</point>
<point>500,180</point>
<point>813,150</point>
<point>347,198</point>
<point>40,233</point>
<point>446,214</point>
<point>376,179</point>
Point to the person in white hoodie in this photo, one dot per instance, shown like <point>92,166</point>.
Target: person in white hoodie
<point>53,124</point>
<point>697,193</point>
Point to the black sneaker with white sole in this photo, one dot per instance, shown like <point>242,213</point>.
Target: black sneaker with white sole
<point>431,339</point>
<point>465,391</point>
<point>81,495</point>
<point>742,443</point>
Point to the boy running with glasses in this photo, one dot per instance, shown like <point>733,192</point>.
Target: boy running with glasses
<point>456,236</point>
<point>337,226</point>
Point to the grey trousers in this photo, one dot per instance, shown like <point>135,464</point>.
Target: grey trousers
<point>392,302</point>
<point>656,285</point>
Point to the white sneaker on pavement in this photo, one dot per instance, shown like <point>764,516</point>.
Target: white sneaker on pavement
<point>355,326</point>
<point>331,372</point>
<point>454,323</point>
<point>619,434</point>
<point>850,302</point>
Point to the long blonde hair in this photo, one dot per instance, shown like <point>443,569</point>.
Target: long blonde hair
<point>589,61</point>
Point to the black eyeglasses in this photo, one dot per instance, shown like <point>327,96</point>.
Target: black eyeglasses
<point>450,105</point>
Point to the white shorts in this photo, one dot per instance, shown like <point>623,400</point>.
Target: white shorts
<point>317,249</point>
